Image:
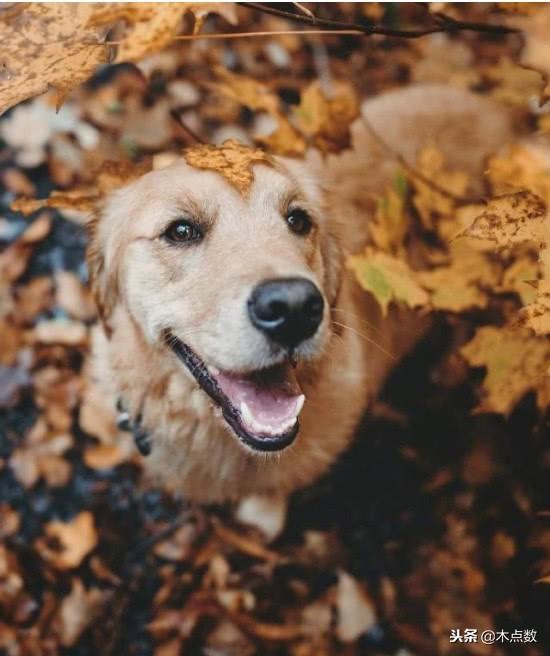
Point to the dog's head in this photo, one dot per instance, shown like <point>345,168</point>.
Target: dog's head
<point>235,282</point>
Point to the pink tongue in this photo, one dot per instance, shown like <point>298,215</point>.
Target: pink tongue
<point>271,397</point>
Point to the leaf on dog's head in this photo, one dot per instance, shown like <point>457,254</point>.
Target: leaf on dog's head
<point>387,279</point>
<point>516,363</point>
<point>232,159</point>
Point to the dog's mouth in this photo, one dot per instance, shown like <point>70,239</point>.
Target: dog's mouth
<point>261,407</point>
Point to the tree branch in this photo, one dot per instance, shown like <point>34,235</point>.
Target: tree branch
<point>441,23</point>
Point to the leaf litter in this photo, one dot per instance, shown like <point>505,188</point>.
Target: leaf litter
<point>431,522</point>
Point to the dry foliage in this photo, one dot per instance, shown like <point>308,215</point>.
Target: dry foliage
<point>430,525</point>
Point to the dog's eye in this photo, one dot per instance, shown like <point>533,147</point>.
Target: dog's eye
<point>182,231</point>
<point>298,221</point>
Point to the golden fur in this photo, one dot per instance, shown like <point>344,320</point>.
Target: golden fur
<point>143,287</point>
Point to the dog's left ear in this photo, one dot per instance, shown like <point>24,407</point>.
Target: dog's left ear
<point>104,283</point>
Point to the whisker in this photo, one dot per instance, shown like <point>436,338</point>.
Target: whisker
<point>366,338</point>
<point>362,319</point>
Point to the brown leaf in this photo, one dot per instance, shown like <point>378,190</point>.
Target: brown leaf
<point>356,610</point>
<point>73,297</point>
<point>74,540</point>
<point>78,610</point>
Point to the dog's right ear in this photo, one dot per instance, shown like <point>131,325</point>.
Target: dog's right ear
<point>104,283</point>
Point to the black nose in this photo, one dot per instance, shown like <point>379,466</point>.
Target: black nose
<point>287,310</point>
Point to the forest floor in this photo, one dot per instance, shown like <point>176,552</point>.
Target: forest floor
<point>435,519</point>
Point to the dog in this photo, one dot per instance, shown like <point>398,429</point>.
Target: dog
<point>231,330</point>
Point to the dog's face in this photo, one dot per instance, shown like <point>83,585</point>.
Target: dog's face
<point>238,287</point>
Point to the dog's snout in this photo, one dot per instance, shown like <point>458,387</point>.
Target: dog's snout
<point>287,310</point>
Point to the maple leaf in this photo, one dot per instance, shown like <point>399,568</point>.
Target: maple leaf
<point>461,285</point>
<point>512,219</point>
<point>326,116</point>
<point>387,279</point>
<point>61,44</point>
<point>232,159</point>
<point>516,363</point>
<point>47,45</point>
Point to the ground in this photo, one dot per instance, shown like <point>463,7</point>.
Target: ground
<point>437,518</point>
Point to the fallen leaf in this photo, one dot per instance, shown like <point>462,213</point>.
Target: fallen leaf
<point>437,188</point>
<point>285,140</point>
<point>73,297</point>
<point>356,610</point>
<point>465,283</point>
<point>74,540</point>
<point>78,610</point>
<point>387,279</point>
<point>391,223</point>
<point>516,363</point>
<point>69,333</point>
<point>325,115</point>
<point>536,49</point>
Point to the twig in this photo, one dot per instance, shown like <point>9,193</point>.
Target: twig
<point>185,128</point>
<point>442,23</point>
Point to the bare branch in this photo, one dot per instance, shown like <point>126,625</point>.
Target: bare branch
<point>441,23</point>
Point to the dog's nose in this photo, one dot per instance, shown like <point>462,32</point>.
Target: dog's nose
<point>287,310</point>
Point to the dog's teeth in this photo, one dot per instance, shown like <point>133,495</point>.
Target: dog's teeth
<point>246,414</point>
<point>214,371</point>
<point>299,404</point>
<point>265,429</point>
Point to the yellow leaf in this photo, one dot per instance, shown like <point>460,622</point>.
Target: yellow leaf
<point>74,540</point>
<point>152,26</point>
<point>232,159</point>
<point>326,117</point>
<point>109,176</point>
<point>47,45</point>
<point>512,219</point>
<point>519,168</point>
<point>437,188</point>
<point>61,44</point>
<point>536,314</point>
<point>460,285</point>
<point>390,224</point>
<point>387,279</point>
<point>535,27</point>
<point>516,363</point>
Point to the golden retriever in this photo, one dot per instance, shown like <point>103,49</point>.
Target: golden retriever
<point>231,330</point>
